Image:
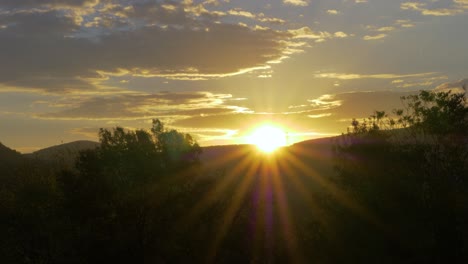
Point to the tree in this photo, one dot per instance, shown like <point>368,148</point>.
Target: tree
<point>125,194</point>
<point>410,169</point>
<point>177,148</point>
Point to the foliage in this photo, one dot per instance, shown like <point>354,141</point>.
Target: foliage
<point>410,170</point>
<point>124,191</point>
<point>118,204</point>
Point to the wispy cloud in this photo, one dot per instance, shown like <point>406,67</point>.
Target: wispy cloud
<point>319,115</point>
<point>324,113</point>
<point>240,12</point>
<point>354,76</point>
<point>296,2</point>
<point>419,82</point>
<point>146,106</point>
<point>340,34</point>
<point>460,86</point>
<point>378,32</point>
<point>404,23</point>
<point>385,29</point>
<point>325,101</point>
<point>318,36</point>
<point>374,37</point>
<point>260,17</point>
<point>455,7</point>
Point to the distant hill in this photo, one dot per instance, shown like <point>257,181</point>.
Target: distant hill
<point>212,157</point>
<point>212,153</point>
<point>8,155</point>
<point>64,153</point>
<point>9,160</point>
<point>315,154</point>
<point>8,152</point>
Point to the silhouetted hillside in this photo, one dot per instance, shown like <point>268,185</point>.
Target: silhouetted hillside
<point>308,161</point>
<point>65,154</point>
<point>9,158</point>
<point>224,156</point>
<point>7,154</point>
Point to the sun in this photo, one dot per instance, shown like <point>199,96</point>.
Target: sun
<point>268,138</point>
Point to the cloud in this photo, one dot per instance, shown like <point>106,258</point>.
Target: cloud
<point>271,20</point>
<point>240,12</point>
<point>404,23</point>
<point>48,51</point>
<point>323,115</point>
<point>374,37</point>
<point>257,17</point>
<point>354,76</point>
<point>213,118</point>
<point>463,3</point>
<point>324,102</point>
<point>320,36</point>
<point>307,33</point>
<point>169,13</point>
<point>319,115</point>
<point>340,34</point>
<point>382,31</point>
<point>332,12</point>
<point>385,29</point>
<point>146,106</point>
<point>212,136</point>
<point>296,2</point>
<point>433,8</point>
<point>349,105</point>
<point>49,3</point>
<point>422,82</point>
<point>459,86</point>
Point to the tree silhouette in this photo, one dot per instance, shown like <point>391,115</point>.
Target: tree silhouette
<point>124,191</point>
<point>410,169</point>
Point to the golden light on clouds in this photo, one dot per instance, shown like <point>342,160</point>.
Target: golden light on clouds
<point>296,2</point>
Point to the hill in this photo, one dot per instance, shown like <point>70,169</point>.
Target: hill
<point>63,153</point>
<point>10,160</point>
<point>7,154</point>
<point>213,158</point>
<point>314,156</point>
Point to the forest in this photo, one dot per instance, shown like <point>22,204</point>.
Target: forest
<point>392,189</point>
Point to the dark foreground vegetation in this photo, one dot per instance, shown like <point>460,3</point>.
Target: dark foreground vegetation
<point>392,190</point>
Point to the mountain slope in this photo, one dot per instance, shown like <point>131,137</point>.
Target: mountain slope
<point>65,154</point>
<point>9,160</point>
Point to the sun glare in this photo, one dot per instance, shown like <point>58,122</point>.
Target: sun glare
<point>268,138</point>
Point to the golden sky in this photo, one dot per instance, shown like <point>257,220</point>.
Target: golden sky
<point>218,68</point>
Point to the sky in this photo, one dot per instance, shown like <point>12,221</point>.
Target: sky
<point>217,69</point>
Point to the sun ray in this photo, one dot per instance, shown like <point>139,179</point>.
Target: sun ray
<point>229,215</point>
<point>337,193</point>
<point>270,195</point>
<point>288,227</point>
<point>224,183</point>
<point>299,187</point>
